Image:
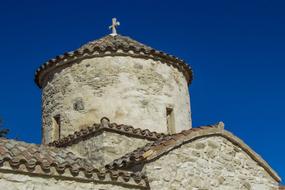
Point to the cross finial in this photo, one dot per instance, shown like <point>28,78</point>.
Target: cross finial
<point>115,23</point>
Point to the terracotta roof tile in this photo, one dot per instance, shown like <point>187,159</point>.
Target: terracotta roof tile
<point>155,149</point>
<point>16,155</point>
<point>105,125</point>
<point>115,45</point>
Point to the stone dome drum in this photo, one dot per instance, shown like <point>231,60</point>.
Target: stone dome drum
<point>119,78</point>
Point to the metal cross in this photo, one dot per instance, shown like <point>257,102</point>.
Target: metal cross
<point>113,26</point>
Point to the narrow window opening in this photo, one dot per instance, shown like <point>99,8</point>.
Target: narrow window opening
<point>56,127</point>
<point>170,120</point>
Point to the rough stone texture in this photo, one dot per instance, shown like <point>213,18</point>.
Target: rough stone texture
<point>208,163</point>
<point>12,181</point>
<point>127,90</point>
<point>104,148</point>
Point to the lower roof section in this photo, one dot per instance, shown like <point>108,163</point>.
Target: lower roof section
<point>160,147</point>
<point>28,158</point>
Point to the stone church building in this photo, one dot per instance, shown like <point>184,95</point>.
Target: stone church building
<point>116,115</point>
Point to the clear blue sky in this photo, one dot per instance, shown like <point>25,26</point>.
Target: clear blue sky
<point>236,49</point>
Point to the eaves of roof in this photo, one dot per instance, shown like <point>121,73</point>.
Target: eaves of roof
<point>112,46</point>
<point>21,157</point>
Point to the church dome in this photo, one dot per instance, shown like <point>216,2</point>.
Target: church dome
<point>115,45</point>
<point>115,77</point>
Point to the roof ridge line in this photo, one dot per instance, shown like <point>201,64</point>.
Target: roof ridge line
<point>131,155</point>
<point>105,125</point>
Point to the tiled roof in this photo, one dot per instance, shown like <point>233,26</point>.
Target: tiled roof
<point>115,42</point>
<point>105,125</point>
<point>162,146</point>
<point>39,159</point>
<point>113,45</point>
<point>154,149</point>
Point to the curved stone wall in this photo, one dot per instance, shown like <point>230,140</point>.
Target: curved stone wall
<point>127,90</point>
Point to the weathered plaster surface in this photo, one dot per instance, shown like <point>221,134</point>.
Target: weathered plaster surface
<point>127,90</point>
<point>11,181</point>
<point>210,163</point>
<point>104,148</point>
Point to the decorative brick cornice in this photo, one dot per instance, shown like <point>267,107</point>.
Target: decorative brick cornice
<point>105,125</point>
<point>112,46</point>
<point>162,146</point>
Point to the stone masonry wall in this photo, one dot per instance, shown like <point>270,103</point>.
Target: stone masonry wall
<point>211,163</point>
<point>127,90</point>
<point>104,148</point>
<point>11,181</point>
